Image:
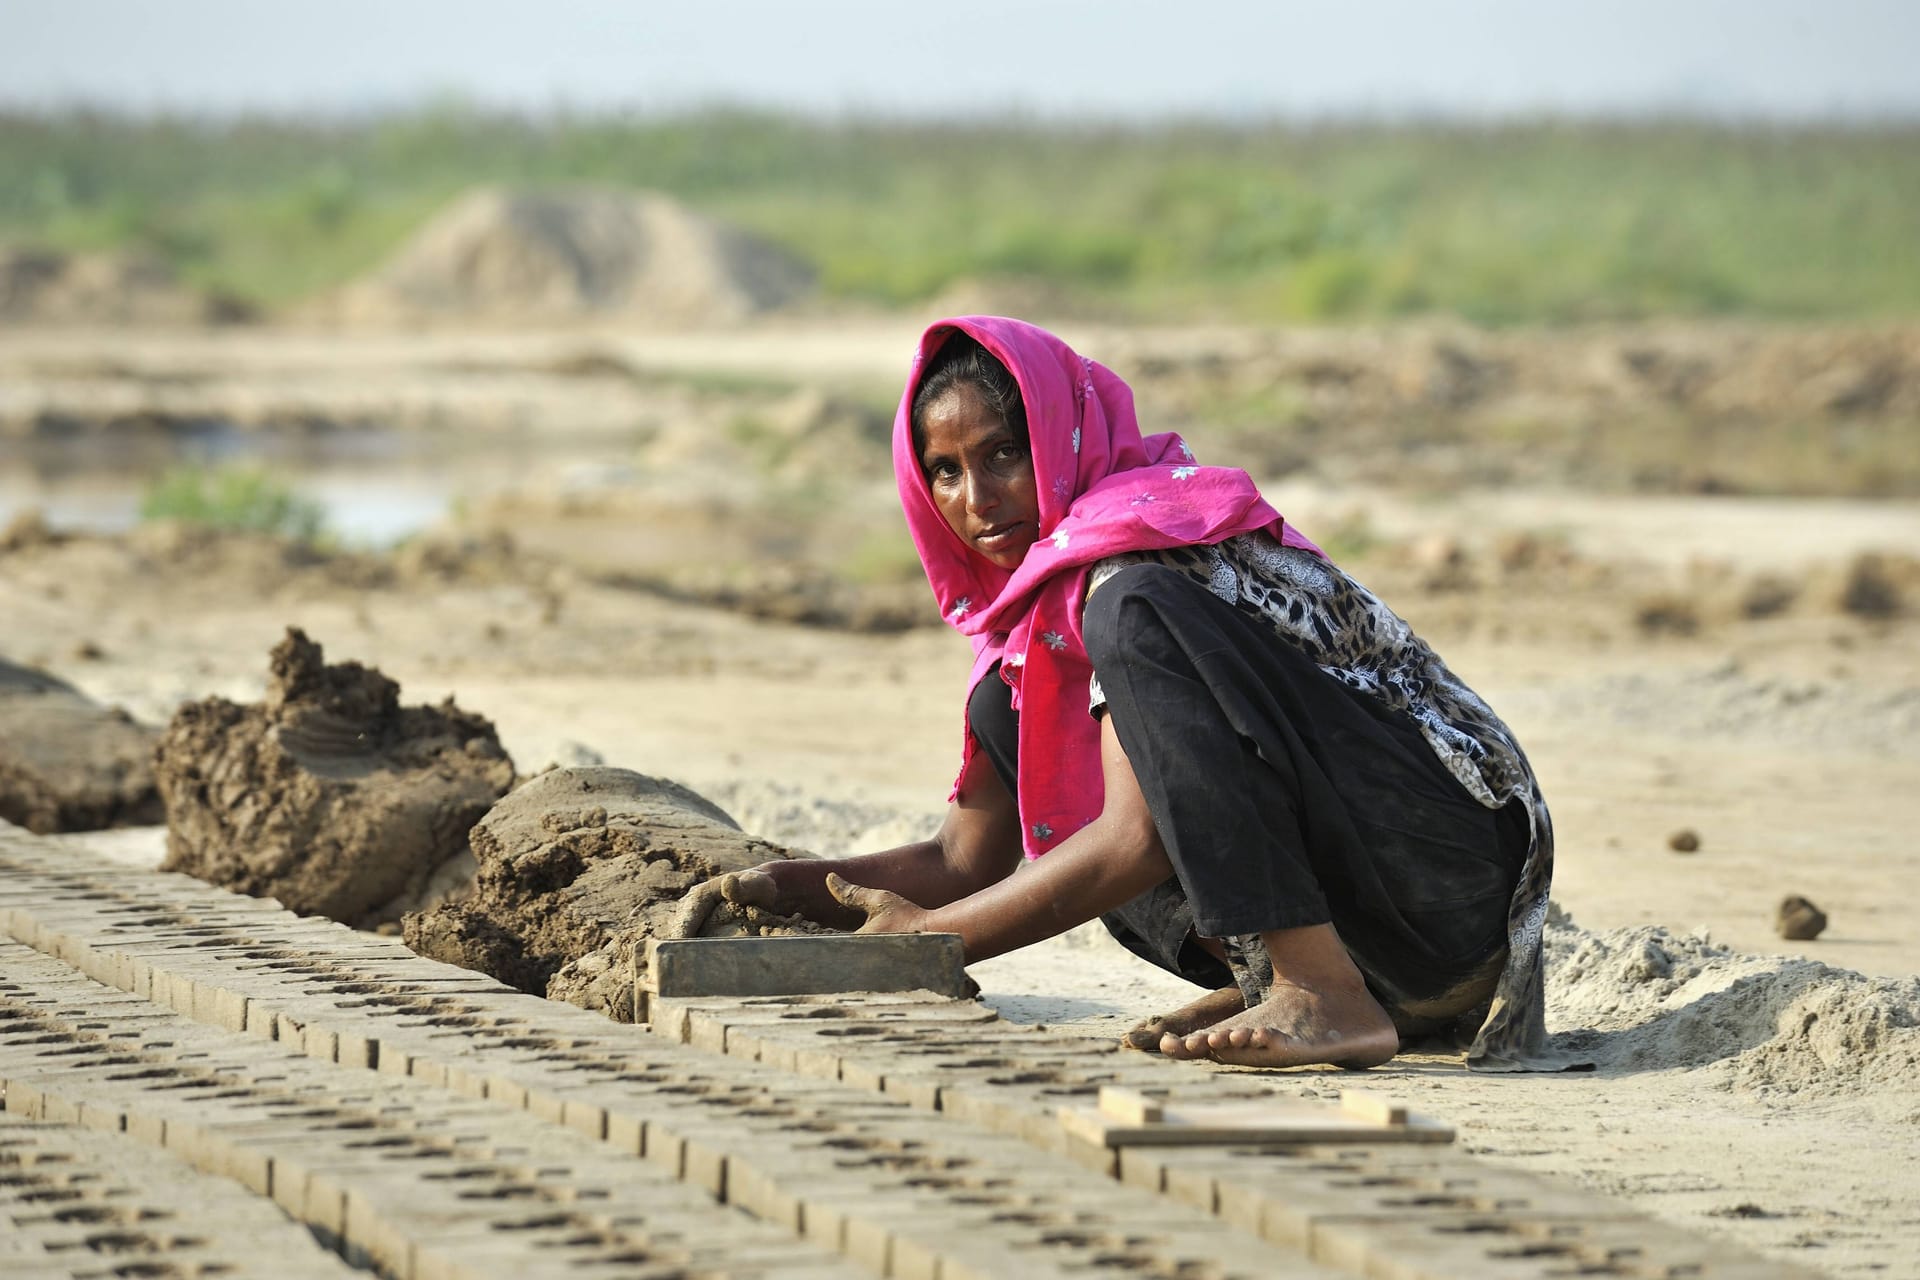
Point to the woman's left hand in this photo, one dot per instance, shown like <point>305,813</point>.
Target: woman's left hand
<point>886,912</point>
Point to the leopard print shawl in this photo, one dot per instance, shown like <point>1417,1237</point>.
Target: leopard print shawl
<point>1358,640</point>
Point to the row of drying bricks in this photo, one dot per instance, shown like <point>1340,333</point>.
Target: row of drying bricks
<point>810,1122</point>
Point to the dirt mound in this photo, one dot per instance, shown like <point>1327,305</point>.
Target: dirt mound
<point>328,794</point>
<point>41,286</point>
<point>522,255</point>
<point>578,868</point>
<point>67,763</point>
<point>798,594</point>
<point>1650,1000</point>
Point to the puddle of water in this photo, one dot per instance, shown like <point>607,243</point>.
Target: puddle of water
<point>375,488</point>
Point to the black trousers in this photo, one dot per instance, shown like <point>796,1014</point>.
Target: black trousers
<point>1283,798</point>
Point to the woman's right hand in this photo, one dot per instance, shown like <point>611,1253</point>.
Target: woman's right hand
<point>758,887</point>
<point>752,887</point>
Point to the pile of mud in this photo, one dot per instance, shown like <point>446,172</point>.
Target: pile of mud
<point>800,595</point>
<point>1651,408</point>
<point>328,794</point>
<point>562,254</point>
<point>577,869</point>
<point>67,763</point>
<point>1702,370</point>
<point>1648,999</point>
<point>42,286</point>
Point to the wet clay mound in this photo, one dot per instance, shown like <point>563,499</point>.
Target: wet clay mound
<point>328,794</point>
<point>1649,999</point>
<point>519,255</point>
<point>578,868</point>
<point>67,763</point>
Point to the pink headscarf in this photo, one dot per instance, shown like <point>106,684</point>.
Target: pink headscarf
<point>1102,490</point>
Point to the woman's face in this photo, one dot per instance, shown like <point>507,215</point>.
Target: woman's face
<point>981,476</point>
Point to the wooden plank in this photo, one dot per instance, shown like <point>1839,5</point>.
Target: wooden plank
<point>1371,1107</point>
<point>1129,1106</point>
<point>1274,1122</point>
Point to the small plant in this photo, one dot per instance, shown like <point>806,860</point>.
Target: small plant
<point>233,497</point>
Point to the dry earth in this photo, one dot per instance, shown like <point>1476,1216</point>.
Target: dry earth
<point>1620,637</point>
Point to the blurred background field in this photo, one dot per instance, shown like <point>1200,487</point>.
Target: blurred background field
<point>1498,224</point>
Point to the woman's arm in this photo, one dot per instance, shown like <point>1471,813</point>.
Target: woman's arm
<point>1113,859</point>
<point>977,844</point>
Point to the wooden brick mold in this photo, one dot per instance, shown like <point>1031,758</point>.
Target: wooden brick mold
<point>909,1135</point>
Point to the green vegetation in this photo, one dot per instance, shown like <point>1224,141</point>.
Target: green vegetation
<point>1548,222</point>
<point>233,497</point>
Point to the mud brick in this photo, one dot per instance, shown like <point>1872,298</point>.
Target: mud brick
<point>384,1213</point>
<point>704,1161</point>
<point>758,1190</point>
<point>478,1253</point>
<point>503,1089</point>
<point>585,1117</point>
<point>626,1130</point>
<point>103,1116</point>
<point>357,1049</point>
<point>670,1019</point>
<point>828,1219</point>
<point>1304,1214</point>
<point>541,1100</point>
<point>817,1062</point>
<point>706,1032</point>
<point>966,1257</point>
<point>1490,1247</point>
<point>920,1091</point>
<point>26,1099</point>
<point>915,1236</point>
<point>802,965</point>
<point>466,1078</point>
<point>319,1197</point>
<point>59,1109</point>
<point>1140,1168</point>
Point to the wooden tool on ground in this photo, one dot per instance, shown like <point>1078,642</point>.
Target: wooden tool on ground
<point>1127,1117</point>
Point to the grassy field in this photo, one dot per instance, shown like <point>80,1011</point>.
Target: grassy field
<point>1546,223</point>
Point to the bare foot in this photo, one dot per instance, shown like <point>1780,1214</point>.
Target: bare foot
<point>1297,1026</point>
<point>1188,1018</point>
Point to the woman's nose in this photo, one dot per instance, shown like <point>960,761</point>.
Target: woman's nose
<point>982,493</point>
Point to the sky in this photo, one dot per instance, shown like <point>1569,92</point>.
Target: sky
<point>1102,59</point>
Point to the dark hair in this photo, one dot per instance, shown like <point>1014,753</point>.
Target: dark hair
<point>961,359</point>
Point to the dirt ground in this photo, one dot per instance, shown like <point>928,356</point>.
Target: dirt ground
<point>1624,650</point>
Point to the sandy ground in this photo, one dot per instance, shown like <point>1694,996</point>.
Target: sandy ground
<point>1789,744</point>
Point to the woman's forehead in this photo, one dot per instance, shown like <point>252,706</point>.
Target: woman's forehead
<point>961,411</point>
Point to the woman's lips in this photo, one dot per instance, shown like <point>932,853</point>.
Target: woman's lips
<point>999,537</point>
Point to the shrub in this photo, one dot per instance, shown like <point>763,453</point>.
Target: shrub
<point>233,497</point>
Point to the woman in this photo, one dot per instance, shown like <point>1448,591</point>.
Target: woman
<point>1197,728</point>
